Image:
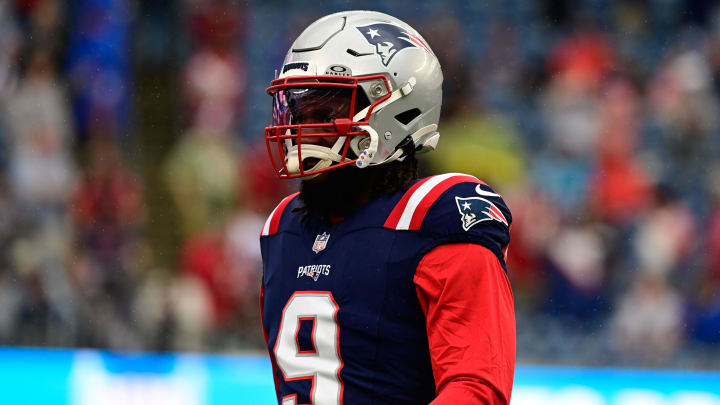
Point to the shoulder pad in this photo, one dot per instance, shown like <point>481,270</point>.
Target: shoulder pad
<point>467,207</point>
<point>454,208</point>
<point>273,221</point>
<point>409,213</point>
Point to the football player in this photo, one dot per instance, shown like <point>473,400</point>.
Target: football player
<point>378,287</point>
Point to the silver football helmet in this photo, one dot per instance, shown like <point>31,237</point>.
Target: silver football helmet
<point>356,88</point>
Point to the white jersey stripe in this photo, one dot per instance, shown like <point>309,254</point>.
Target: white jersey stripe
<point>417,197</point>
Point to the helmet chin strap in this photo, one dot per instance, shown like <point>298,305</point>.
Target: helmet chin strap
<point>325,155</point>
<point>309,151</point>
<point>419,138</point>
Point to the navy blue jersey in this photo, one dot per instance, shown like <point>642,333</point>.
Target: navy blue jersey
<point>340,310</point>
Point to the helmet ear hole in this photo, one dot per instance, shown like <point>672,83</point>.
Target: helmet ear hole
<point>406,117</point>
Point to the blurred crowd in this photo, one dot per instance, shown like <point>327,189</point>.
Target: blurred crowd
<point>598,123</point>
<point>78,267</point>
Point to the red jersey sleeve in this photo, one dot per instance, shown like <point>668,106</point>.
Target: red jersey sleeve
<point>470,321</point>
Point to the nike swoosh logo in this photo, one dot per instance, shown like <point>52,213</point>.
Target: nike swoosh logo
<point>480,191</point>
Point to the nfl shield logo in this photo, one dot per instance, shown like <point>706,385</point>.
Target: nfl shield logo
<point>320,242</point>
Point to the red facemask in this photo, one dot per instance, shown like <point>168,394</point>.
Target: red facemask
<point>319,111</point>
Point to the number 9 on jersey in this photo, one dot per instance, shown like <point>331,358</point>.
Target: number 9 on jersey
<point>321,365</point>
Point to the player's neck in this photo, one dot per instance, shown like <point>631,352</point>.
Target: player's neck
<point>344,191</point>
<point>338,194</point>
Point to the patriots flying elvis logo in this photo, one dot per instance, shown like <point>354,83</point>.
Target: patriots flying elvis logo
<point>474,210</point>
<point>390,39</point>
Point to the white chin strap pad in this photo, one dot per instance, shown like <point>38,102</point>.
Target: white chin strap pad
<point>324,154</point>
